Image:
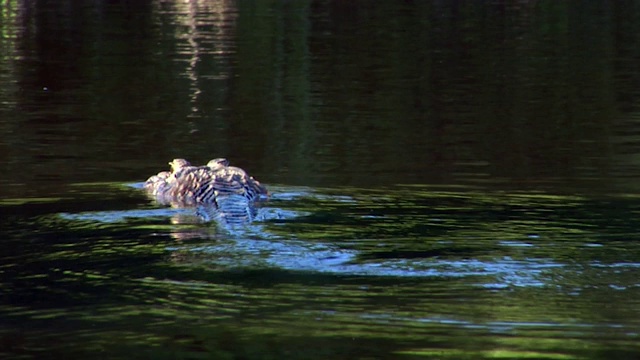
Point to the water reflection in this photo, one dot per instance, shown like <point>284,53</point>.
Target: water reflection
<point>322,93</point>
<point>204,32</point>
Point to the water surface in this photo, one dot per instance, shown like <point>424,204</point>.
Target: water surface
<point>449,180</point>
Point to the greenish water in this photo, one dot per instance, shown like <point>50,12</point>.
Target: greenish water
<point>450,180</point>
<point>398,272</point>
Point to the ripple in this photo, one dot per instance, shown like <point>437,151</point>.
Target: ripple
<point>311,257</point>
<point>123,215</point>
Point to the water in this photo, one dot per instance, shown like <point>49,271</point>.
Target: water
<point>449,180</point>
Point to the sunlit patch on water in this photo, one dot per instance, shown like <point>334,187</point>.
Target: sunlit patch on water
<point>515,243</point>
<point>136,185</point>
<point>288,193</point>
<point>256,254</point>
<point>124,215</point>
<point>180,215</point>
<point>243,254</point>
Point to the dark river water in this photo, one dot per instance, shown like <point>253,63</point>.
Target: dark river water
<point>449,179</point>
